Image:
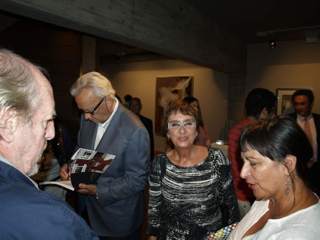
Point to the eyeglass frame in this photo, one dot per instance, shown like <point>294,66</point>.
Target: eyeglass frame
<point>182,124</point>
<point>95,108</point>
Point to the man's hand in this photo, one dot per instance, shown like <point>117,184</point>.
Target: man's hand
<point>64,172</point>
<point>87,189</point>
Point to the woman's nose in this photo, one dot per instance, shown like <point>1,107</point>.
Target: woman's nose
<point>182,129</point>
<point>245,171</point>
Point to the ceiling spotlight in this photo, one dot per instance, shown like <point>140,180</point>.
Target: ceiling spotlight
<point>273,44</point>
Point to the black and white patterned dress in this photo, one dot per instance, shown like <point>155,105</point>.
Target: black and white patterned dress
<point>189,202</point>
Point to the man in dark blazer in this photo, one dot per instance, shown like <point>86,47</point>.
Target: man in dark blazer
<point>115,201</point>
<point>26,124</point>
<point>302,101</point>
<point>136,106</point>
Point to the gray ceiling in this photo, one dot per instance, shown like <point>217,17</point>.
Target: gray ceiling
<point>252,20</point>
<point>261,20</point>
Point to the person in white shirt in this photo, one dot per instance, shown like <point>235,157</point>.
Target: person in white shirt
<point>275,155</point>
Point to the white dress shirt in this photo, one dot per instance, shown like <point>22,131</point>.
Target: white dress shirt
<point>102,127</point>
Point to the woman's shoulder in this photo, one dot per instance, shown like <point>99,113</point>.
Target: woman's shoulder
<point>161,155</point>
<point>303,224</point>
<point>217,155</point>
<point>308,215</point>
<point>159,160</point>
<point>296,232</point>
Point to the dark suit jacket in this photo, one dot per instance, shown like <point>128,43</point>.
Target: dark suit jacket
<point>29,213</point>
<point>313,174</point>
<point>118,210</point>
<point>149,126</point>
<point>316,118</point>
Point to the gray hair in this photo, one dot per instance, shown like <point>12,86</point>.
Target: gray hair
<point>100,85</point>
<point>18,88</point>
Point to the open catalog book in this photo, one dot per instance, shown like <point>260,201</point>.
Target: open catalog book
<point>64,184</point>
<point>87,166</point>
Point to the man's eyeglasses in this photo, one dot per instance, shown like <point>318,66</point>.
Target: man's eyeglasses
<point>188,124</point>
<point>96,107</point>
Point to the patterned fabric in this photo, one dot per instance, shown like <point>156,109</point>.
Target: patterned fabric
<point>223,233</point>
<point>189,202</point>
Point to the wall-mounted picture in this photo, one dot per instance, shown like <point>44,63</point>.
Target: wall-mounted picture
<point>284,105</point>
<point>170,89</point>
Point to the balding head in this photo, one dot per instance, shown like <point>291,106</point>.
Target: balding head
<point>26,112</point>
<point>18,88</point>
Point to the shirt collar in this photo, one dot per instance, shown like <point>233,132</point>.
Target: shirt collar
<point>106,123</point>
<point>2,159</point>
<point>302,118</point>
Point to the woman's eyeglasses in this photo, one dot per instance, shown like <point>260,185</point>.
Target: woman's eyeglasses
<point>188,124</point>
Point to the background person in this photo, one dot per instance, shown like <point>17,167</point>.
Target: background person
<point>136,106</point>
<point>191,189</point>
<point>302,101</point>
<point>26,124</point>
<point>49,170</point>
<point>127,100</point>
<point>275,155</point>
<point>115,202</point>
<point>203,136</point>
<point>259,105</point>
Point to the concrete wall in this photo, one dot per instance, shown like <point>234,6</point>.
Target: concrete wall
<point>172,28</point>
<point>139,79</point>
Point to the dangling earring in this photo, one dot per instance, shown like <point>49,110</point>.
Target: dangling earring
<point>288,186</point>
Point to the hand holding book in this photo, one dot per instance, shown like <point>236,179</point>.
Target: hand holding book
<point>89,189</point>
<point>64,172</point>
<point>86,168</point>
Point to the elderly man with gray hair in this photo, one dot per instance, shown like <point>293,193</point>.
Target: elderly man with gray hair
<point>26,124</point>
<point>114,202</point>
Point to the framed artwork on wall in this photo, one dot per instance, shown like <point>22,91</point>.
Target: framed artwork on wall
<point>169,89</point>
<point>284,105</point>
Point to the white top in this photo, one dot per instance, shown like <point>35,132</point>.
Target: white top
<point>301,225</point>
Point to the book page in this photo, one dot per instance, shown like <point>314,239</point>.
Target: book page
<point>65,184</point>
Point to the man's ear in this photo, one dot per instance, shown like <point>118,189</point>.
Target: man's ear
<point>290,163</point>
<point>8,124</point>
